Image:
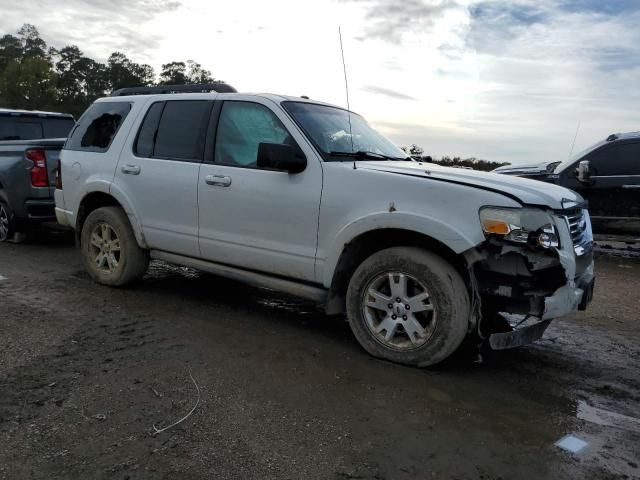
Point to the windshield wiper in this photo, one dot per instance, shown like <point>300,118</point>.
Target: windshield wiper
<point>364,155</point>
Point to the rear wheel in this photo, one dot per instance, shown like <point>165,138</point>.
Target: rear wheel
<point>409,306</point>
<point>110,251</point>
<point>7,227</point>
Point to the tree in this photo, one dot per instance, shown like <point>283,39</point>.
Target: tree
<point>29,84</point>
<point>36,76</point>
<point>122,72</point>
<point>196,74</point>
<point>32,44</point>
<point>10,50</point>
<point>80,79</point>
<point>173,73</point>
<point>416,150</point>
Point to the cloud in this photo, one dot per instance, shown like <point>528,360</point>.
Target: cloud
<point>391,20</point>
<point>98,27</point>
<point>387,92</point>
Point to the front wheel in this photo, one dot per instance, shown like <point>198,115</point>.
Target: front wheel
<point>110,251</point>
<point>408,305</point>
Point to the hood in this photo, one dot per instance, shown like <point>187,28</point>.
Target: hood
<point>523,168</point>
<point>528,192</point>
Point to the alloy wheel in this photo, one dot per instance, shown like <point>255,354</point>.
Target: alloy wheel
<point>105,248</point>
<point>398,311</point>
<point>4,224</point>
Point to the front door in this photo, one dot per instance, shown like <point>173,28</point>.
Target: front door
<point>613,191</point>
<point>258,219</point>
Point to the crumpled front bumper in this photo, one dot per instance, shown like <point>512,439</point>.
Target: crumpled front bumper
<point>526,288</point>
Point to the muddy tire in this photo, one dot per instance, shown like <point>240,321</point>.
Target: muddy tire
<point>110,252</point>
<point>408,305</point>
<point>7,225</point>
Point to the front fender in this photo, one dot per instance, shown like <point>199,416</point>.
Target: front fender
<point>456,240</point>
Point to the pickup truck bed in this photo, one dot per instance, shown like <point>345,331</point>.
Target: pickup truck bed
<point>27,182</point>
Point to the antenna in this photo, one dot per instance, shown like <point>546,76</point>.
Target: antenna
<point>574,139</point>
<point>346,87</point>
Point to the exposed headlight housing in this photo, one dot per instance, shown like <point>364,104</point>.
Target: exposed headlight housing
<point>520,225</point>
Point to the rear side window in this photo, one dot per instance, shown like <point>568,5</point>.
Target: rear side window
<point>182,130</point>
<point>17,128</point>
<point>57,127</point>
<point>98,126</point>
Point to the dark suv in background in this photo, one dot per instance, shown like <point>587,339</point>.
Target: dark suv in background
<point>606,174</point>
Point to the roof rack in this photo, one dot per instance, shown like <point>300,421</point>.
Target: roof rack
<point>219,87</point>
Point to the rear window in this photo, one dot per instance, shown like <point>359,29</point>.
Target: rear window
<point>98,126</point>
<point>57,127</point>
<point>20,128</point>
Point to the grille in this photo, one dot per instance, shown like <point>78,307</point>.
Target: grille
<point>577,225</point>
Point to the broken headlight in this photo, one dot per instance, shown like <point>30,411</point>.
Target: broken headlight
<point>520,225</point>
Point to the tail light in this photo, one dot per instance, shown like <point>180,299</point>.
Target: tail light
<point>39,174</point>
<point>59,175</point>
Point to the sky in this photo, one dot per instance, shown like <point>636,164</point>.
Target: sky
<point>503,80</point>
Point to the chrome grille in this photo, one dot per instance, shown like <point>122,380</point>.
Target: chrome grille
<point>578,224</point>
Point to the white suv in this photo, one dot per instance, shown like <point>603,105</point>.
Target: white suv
<point>306,198</point>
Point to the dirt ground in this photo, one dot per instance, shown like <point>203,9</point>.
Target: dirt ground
<point>284,392</point>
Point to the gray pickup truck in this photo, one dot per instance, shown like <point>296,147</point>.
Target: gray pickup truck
<point>30,144</point>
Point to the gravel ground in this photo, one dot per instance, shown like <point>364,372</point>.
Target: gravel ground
<point>282,391</point>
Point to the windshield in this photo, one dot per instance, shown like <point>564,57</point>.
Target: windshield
<point>329,129</point>
<point>573,158</point>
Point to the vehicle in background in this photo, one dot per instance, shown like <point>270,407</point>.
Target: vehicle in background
<point>607,175</point>
<point>535,171</point>
<point>305,197</point>
<point>30,144</point>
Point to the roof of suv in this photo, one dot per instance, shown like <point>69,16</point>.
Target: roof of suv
<point>276,98</point>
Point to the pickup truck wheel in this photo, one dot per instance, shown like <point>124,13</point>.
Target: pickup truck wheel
<point>408,305</point>
<point>6,222</point>
<point>110,251</point>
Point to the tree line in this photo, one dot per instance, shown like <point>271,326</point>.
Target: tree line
<point>417,153</point>
<point>35,76</point>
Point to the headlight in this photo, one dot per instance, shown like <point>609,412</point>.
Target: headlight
<point>519,225</point>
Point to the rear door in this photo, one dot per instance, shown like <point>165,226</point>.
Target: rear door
<point>253,218</point>
<point>158,171</point>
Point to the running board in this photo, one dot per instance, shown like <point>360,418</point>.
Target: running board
<point>252,278</point>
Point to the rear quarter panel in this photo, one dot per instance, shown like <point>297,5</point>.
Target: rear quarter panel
<point>85,172</point>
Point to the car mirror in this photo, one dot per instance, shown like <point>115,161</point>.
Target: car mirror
<point>280,157</point>
<point>583,171</point>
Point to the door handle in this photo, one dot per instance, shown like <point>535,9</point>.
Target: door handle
<point>630,186</point>
<point>131,169</point>
<point>218,180</point>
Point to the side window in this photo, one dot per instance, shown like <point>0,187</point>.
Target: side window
<point>98,126</point>
<point>241,128</point>
<point>147,134</point>
<point>182,130</point>
<point>621,159</point>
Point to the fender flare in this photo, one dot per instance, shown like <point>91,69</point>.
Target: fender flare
<point>134,219</point>
<point>428,226</point>
<point>101,186</point>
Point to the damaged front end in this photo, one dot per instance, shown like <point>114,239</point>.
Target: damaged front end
<point>536,265</point>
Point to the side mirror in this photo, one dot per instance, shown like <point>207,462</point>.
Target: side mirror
<point>583,171</point>
<point>280,157</point>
